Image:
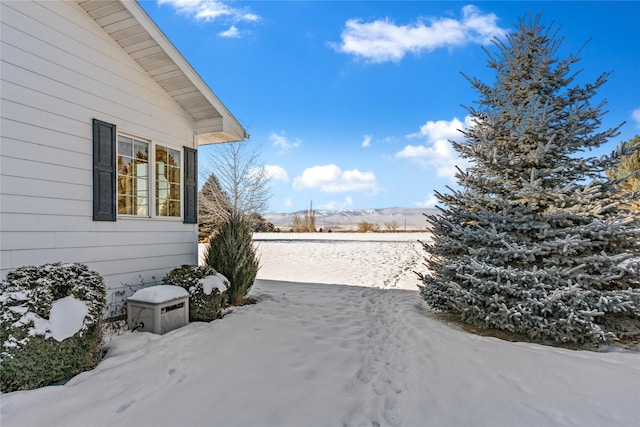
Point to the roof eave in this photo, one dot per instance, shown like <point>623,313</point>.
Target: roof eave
<point>214,123</point>
<point>216,131</point>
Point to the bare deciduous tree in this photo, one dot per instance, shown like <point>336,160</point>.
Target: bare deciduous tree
<point>306,225</point>
<point>368,227</point>
<point>214,207</point>
<point>628,170</point>
<point>241,177</point>
<point>392,226</point>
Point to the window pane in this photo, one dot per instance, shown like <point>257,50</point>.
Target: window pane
<point>173,174</point>
<point>174,191</point>
<point>142,207</point>
<point>125,185</point>
<point>173,157</point>
<point>141,150</point>
<point>142,169</point>
<point>121,205</point>
<point>161,206</point>
<point>125,146</point>
<point>125,205</point>
<point>124,165</point>
<point>141,185</point>
<point>174,208</point>
<point>161,154</point>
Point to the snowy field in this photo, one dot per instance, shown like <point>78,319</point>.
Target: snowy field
<point>337,338</point>
<point>381,260</point>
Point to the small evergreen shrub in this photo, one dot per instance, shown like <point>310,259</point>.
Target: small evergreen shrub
<point>30,356</point>
<point>202,307</point>
<point>232,254</point>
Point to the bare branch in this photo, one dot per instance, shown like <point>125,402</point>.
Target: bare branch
<point>241,177</point>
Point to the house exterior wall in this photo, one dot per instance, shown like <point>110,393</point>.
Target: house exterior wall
<point>59,71</point>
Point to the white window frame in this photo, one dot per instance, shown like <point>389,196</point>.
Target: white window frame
<point>151,180</point>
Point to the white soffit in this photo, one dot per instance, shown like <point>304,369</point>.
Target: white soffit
<point>129,25</point>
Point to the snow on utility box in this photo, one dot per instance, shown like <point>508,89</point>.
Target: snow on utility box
<point>158,309</point>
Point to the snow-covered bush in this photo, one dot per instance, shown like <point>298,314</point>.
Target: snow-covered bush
<point>231,253</point>
<point>207,296</point>
<point>51,324</point>
<point>537,241</point>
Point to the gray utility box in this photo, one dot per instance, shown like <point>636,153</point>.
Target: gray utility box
<point>158,309</point>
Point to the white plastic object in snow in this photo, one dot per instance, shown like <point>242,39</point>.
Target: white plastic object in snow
<point>67,317</point>
<point>158,309</point>
<point>216,281</point>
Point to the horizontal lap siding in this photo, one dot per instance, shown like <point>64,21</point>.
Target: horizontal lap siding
<point>101,77</point>
<point>59,71</point>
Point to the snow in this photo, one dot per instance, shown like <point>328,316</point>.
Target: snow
<point>159,294</point>
<point>40,326</point>
<point>338,340</point>
<point>217,281</point>
<point>19,309</point>
<point>386,260</point>
<point>67,317</point>
<point>630,264</point>
<point>14,296</point>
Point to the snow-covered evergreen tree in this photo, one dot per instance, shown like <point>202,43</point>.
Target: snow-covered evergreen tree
<point>214,207</point>
<point>536,241</point>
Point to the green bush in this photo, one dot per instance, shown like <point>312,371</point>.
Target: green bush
<point>202,307</point>
<point>232,254</point>
<point>30,356</point>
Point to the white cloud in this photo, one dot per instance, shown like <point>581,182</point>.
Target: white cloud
<point>280,140</point>
<point>211,10</point>
<point>437,152</point>
<point>429,202</point>
<point>382,40</point>
<point>231,33</point>
<point>635,115</point>
<point>442,129</point>
<point>277,172</point>
<point>288,203</point>
<point>366,141</point>
<point>332,179</point>
<point>333,204</point>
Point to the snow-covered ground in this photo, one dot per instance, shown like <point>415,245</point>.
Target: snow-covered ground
<point>382,260</point>
<point>327,345</point>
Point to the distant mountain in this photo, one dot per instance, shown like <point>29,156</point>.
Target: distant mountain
<point>348,219</point>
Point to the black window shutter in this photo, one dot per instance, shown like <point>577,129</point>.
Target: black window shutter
<point>190,186</point>
<point>104,171</point>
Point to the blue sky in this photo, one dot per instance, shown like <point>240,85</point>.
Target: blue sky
<point>352,103</point>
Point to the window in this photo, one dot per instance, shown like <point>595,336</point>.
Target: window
<point>133,176</point>
<point>139,178</point>
<point>167,181</point>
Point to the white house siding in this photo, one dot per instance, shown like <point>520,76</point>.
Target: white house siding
<point>60,70</point>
